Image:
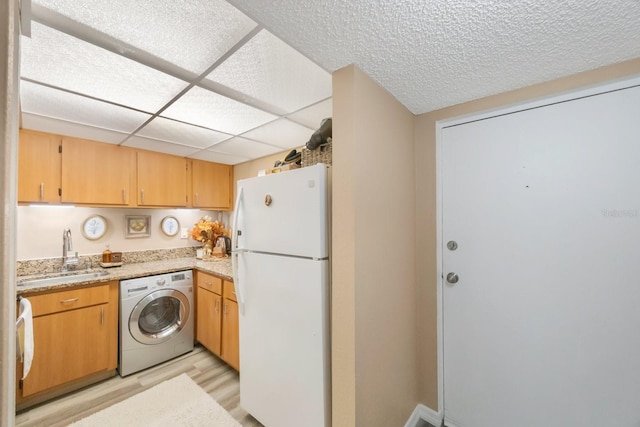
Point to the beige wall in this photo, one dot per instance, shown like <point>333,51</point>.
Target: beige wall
<point>373,259</point>
<point>425,158</point>
<point>9,74</point>
<point>251,168</point>
<point>39,230</point>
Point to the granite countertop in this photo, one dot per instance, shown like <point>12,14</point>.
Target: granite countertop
<point>218,266</point>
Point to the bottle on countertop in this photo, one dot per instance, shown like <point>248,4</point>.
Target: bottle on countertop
<point>106,255</point>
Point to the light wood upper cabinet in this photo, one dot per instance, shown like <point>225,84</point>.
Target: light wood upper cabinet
<point>162,180</point>
<point>95,172</point>
<point>212,185</point>
<point>60,169</point>
<point>38,167</point>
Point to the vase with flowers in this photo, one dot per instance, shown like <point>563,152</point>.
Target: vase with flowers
<point>207,232</point>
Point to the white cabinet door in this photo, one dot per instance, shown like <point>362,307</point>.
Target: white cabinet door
<point>542,327</point>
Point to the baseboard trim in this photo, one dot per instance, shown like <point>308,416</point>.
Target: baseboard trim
<point>421,412</point>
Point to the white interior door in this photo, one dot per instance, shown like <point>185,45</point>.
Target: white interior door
<point>543,326</point>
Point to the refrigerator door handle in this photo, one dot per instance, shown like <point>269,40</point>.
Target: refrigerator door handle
<point>236,252</point>
<point>237,283</point>
<point>236,213</point>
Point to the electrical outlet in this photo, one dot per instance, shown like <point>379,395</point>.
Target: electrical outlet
<point>184,233</point>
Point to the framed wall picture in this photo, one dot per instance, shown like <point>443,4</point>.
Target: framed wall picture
<point>137,226</point>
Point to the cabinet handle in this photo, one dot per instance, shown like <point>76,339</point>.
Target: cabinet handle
<point>102,316</point>
<point>42,191</point>
<point>197,199</point>
<point>217,306</point>
<point>225,309</point>
<point>68,301</point>
<point>142,196</point>
<point>124,196</point>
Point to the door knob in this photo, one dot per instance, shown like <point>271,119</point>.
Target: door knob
<point>452,278</point>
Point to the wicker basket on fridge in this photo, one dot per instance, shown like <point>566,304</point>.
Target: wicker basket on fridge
<point>321,154</point>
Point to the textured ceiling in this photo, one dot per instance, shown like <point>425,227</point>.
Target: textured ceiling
<point>432,54</point>
<point>233,81</point>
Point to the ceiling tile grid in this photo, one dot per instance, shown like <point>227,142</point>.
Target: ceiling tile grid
<point>57,104</point>
<point>191,34</point>
<point>64,61</point>
<point>62,127</point>
<point>111,71</point>
<point>268,69</point>
<point>181,133</point>
<point>208,109</point>
<point>161,146</point>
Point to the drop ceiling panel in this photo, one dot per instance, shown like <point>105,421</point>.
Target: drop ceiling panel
<point>205,108</point>
<point>64,61</point>
<point>181,133</point>
<point>61,127</point>
<point>282,133</point>
<point>161,146</point>
<point>45,101</point>
<point>245,148</point>
<point>191,34</point>
<point>313,115</point>
<point>271,71</point>
<point>212,156</point>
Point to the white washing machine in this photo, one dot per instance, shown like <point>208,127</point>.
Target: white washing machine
<point>156,320</point>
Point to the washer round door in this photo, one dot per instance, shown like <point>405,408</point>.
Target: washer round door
<point>159,316</point>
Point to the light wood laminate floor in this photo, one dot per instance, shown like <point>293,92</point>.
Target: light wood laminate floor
<point>209,372</point>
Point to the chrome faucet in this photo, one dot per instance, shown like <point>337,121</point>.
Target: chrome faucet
<point>67,245</point>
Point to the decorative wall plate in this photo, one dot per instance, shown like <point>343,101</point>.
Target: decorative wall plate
<point>170,226</point>
<point>94,227</point>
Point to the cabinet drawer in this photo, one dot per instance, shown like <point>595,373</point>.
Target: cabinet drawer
<point>68,300</point>
<point>209,282</point>
<point>230,291</point>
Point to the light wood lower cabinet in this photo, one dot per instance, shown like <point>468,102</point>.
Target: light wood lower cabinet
<point>209,311</point>
<point>217,325</point>
<point>230,326</point>
<point>75,336</point>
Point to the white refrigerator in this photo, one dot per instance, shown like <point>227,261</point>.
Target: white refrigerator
<point>281,268</point>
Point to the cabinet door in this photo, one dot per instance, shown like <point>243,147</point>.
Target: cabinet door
<point>38,167</point>
<point>230,334</point>
<point>162,179</point>
<point>212,185</point>
<point>95,172</point>
<point>208,319</point>
<point>68,345</point>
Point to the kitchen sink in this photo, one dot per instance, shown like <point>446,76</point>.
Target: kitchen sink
<point>65,278</point>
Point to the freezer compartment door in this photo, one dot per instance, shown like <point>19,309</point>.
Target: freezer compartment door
<point>285,213</point>
<point>284,340</point>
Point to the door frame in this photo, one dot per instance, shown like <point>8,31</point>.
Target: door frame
<point>564,96</point>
